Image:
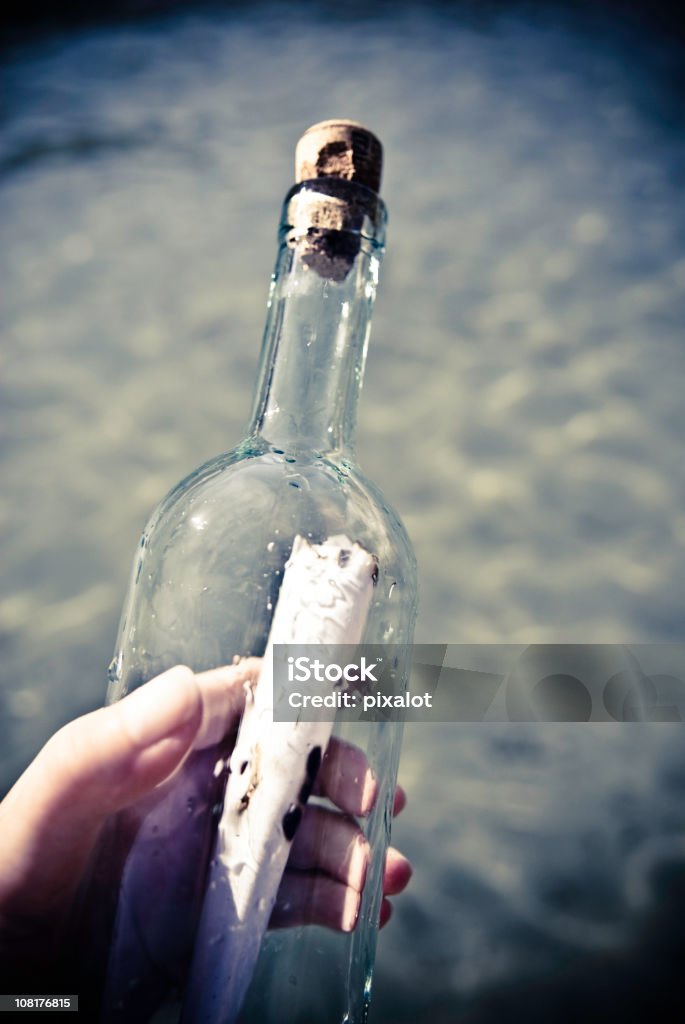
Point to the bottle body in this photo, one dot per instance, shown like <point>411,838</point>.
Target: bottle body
<point>234,523</point>
<point>204,589</point>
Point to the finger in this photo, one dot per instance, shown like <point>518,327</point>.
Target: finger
<point>315,899</point>
<point>223,691</point>
<point>400,801</point>
<point>386,913</point>
<point>333,844</point>
<point>398,871</point>
<point>346,778</point>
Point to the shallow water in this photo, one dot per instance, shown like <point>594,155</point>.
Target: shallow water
<point>522,410</point>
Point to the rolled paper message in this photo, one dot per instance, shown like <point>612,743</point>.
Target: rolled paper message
<point>324,599</point>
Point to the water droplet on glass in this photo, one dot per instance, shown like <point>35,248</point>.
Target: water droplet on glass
<point>270,546</point>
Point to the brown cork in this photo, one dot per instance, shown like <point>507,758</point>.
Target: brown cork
<point>328,211</point>
<point>340,149</point>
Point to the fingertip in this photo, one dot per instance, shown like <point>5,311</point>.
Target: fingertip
<point>164,706</point>
<point>400,801</point>
<point>386,913</point>
<point>398,872</point>
<point>223,692</point>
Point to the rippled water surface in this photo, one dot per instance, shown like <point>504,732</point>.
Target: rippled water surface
<point>522,410</point>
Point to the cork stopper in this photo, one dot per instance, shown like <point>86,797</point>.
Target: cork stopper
<point>340,149</point>
<point>328,210</point>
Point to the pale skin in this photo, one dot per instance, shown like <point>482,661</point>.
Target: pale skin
<point>113,758</point>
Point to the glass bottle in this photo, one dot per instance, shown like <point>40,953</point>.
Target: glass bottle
<point>204,587</point>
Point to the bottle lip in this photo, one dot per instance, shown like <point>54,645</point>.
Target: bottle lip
<point>333,204</point>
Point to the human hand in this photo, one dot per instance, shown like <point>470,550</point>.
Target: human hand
<point>124,757</point>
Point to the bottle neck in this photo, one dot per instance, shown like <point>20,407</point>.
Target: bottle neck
<point>319,316</point>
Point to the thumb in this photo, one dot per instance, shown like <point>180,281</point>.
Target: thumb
<point>92,767</point>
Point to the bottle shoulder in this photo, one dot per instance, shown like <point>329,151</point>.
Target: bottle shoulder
<point>261,488</point>
<point>393,521</point>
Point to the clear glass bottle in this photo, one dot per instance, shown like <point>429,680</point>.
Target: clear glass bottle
<point>205,583</point>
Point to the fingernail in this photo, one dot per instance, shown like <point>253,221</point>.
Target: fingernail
<point>369,793</point>
<point>161,707</point>
<point>350,910</point>
<point>359,862</point>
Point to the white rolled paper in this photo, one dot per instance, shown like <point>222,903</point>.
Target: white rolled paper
<point>324,599</point>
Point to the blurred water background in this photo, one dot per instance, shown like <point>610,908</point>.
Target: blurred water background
<point>522,410</point>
